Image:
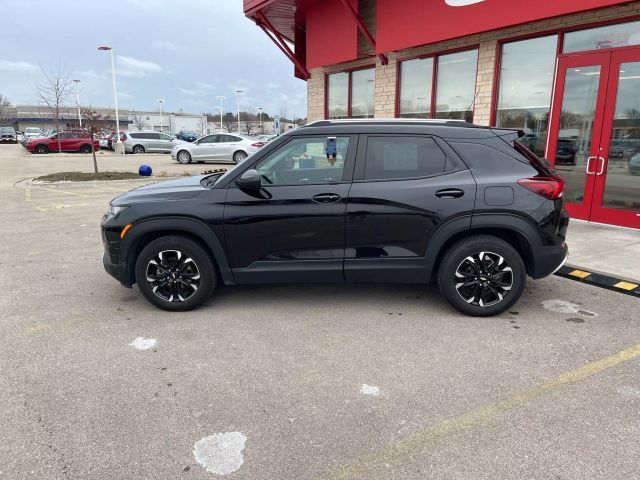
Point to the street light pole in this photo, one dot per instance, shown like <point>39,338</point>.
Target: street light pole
<point>260,118</point>
<point>221,98</point>
<point>161,101</point>
<point>115,99</point>
<point>77,82</point>
<point>238,93</point>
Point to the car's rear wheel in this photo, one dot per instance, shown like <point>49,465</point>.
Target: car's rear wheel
<point>41,149</point>
<point>85,149</point>
<point>137,149</point>
<point>482,276</point>
<point>239,156</point>
<point>184,157</point>
<point>175,273</point>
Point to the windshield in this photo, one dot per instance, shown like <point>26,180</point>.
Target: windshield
<point>6,130</point>
<point>31,130</point>
<point>188,133</point>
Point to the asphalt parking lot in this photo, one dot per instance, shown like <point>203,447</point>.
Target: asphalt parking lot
<point>291,381</point>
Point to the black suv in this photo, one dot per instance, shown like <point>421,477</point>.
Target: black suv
<point>350,201</point>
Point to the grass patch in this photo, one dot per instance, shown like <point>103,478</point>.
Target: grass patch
<point>86,177</point>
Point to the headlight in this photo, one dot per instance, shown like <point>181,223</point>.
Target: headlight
<point>115,210</point>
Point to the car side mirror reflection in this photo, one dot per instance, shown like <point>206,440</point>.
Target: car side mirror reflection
<point>250,180</point>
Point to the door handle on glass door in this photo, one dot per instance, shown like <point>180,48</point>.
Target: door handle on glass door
<point>589,172</point>
<point>604,161</point>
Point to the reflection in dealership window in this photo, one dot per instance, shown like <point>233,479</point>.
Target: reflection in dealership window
<point>455,85</point>
<point>337,90</point>
<point>608,36</point>
<point>415,88</point>
<point>524,93</point>
<point>362,93</point>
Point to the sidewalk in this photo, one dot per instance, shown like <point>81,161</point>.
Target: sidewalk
<point>605,249</point>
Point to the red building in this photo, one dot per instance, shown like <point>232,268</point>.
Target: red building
<point>567,72</point>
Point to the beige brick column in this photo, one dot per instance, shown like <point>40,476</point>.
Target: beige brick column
<point>315,95</point>
<point>485,80</point>
<point>385,89</point>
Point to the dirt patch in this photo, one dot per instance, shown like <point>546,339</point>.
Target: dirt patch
<point>86,177</point>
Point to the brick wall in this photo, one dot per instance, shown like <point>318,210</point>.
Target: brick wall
<point>386,75</point>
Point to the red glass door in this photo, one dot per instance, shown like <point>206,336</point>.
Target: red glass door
<point>576,126</point>
<point>616,197</point>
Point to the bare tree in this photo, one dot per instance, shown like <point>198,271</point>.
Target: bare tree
<point>283,113</point>
<point>249,120</point>
<point>139,121</point>
<point>94,122</point>
<point>4,109</point>
<point>230,122</point>
<point>54,92</point>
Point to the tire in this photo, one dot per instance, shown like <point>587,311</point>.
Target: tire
<point>183,157</point>
<point>137,149</point>
<point>487,293</point>
<point>41,149</point>
<point>85,149</point>
<point>193,261</point>
<point>239,156</point>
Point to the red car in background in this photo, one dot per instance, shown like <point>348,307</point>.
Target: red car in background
<point>69,142</point>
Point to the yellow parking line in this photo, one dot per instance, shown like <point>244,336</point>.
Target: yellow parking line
<point>580,273</point>
<point>626,285</point>
<point>415,443</point>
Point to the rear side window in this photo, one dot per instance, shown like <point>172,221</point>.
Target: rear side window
<point>403,157</point>
<point>136,135</point>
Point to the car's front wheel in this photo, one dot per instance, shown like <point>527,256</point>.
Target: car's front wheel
<point>184,157</point>
<point>482,276</point>
<point>175,273</point>
<point>239,156</point>
<point>41,149</point>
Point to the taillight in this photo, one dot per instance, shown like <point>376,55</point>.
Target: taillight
<point>257,144</point>
<point>550,187</point>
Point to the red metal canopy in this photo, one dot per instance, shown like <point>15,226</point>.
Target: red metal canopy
<point>316,33</point>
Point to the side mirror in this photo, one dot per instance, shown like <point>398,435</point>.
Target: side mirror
<point>250,180</point>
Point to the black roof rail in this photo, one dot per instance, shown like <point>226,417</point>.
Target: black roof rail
<point>393,121</point>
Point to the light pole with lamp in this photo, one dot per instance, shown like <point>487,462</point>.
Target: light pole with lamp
<point>260,118</point>
<point>119,148</point>
<point>77,82</point>
<point>238,93</point>
<point>221,98</point>
<point>161,101</point>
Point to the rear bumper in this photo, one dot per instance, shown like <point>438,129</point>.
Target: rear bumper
<point>548,260</point>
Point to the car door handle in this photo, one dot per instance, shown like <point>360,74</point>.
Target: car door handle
<point>326,198</point>
<point>450,193</point>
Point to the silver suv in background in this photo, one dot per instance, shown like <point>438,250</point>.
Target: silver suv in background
<point>219,147</point>
<point>8,135</point>
<point>142,142</point>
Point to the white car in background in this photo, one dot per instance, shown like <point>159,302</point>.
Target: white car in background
<point>219,147</point>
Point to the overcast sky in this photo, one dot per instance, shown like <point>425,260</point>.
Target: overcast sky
<point>185,51</point>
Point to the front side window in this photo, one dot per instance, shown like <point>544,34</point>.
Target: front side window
<point>164,136</point>
<point>304,161</point>
<point>351,94</point>
<point>208,139</point>
<point>524,92</point>
<point>403,158</point>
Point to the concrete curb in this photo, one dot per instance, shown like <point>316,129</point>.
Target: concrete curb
<point>601,280</point>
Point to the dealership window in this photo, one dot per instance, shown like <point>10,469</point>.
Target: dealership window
<point>350,94</point>
<point>525,85</point>
<point>455,79</point>
<point>416,80</point>
<point>608,36</point>
<point>455,87</point>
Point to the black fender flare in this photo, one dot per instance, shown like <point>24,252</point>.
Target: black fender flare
<point>177,224</point>
<point>504,221</point>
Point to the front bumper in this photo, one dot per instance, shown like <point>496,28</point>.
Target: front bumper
<point>114,256</point>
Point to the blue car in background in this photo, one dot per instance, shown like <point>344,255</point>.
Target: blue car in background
<point>186,136</point>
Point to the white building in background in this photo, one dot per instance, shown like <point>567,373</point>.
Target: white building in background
<point>170,122</point>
